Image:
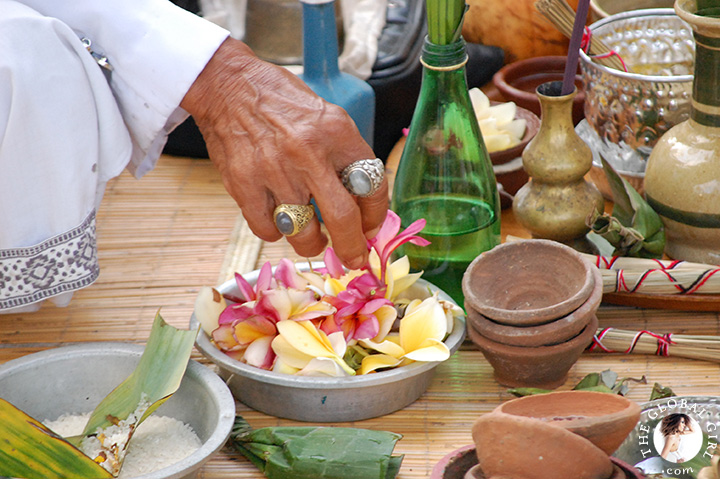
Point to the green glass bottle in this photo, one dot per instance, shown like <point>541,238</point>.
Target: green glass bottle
<point>445,174</point>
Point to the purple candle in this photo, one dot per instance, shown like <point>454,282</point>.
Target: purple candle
<point>574,48</point>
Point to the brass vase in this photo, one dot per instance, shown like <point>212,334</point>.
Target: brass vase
<point>556,201</point>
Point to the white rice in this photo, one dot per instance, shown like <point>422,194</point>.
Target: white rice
<point>158,442</point>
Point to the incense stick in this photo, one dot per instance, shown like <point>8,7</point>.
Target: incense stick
<point>561,15</point>
<point>574,48</point>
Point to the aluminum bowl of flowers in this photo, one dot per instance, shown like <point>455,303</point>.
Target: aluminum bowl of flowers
<point>315,342</point>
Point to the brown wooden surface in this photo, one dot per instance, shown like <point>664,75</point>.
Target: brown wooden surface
<point>165,236</point>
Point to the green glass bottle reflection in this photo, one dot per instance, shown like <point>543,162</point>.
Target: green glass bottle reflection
<point>445,174</point>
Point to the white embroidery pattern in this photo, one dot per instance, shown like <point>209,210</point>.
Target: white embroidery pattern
<point>66,262</point>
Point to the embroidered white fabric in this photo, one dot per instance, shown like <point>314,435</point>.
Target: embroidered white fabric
<point>64,131</point>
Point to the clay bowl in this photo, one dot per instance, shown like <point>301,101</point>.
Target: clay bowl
<point>547,334</point>
<point>524,447</point>
<point>527,282</point>
<point>532,125</point>
<point>541,367</point>
<point>458,463</point>
<point>518,81</point>
<point>603,419</point>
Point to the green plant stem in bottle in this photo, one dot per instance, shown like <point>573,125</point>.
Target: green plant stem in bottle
<point>445,174</point>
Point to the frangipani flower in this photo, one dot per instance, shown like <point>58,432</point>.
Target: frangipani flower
<point>246,331</point>
<point>421,335</point>
<point>301,346</point>
<point>303,322</point>
<point>389,238</point>
<point>397,275</point>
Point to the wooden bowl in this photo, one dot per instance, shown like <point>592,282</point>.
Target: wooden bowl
<point>518,81</point>
<point>528,282</point>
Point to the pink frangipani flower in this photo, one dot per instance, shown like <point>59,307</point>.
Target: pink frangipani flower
<point>389,238</point>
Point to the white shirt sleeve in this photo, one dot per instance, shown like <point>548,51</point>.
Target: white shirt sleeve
<point>156,49</point>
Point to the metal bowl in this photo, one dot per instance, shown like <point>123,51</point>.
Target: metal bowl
<point>74,379</point>
<point>326,399</point>
<point>604,8</point>
<point>626,113</point>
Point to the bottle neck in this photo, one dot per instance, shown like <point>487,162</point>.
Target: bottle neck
<point>320,42</point>
<point>444,57</point>
<point>706,81</point>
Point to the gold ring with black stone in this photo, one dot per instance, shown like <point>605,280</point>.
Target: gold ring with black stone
<point>291,219</point>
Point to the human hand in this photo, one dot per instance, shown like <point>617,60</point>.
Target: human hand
<point>275,141</point>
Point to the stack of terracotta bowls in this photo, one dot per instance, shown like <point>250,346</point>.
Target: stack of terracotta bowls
<point>561,434</point>
<point>531,308</point>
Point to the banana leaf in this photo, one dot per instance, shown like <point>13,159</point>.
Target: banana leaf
<point>112,423</point>
<point>633,229</point>
<point>156,378</point>
<point>30,450</point>
<point>318,452</point>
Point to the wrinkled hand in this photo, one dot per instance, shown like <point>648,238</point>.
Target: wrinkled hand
<point>275,141</point>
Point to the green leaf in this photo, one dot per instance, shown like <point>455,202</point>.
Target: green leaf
<point>318,452</point>
<point>520,392</point>
<point>633,229</point>
<point>156,377</point>
<point>660,392</point>
<point>30,450</point>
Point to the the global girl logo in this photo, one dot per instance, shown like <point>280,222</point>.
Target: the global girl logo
<point>673,438</point>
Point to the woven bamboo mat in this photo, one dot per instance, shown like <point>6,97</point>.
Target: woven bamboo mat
<point>165,236</point>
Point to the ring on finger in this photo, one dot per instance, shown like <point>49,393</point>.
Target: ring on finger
<point>363,177</point>
<point>291,219</point>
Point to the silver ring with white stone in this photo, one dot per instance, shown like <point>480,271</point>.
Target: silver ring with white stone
<point>363,177</point>
<point>291,219</point>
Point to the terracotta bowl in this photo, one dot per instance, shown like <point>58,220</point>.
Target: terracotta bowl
<point>541,367</point>
<point>547,334</point>
<point>604,419</point>
<point>532,122</point>
<point>528,282</point>
<point>458,463</point>
<point>518,81</point>
<point>524,447</point>
<point>511,176</point>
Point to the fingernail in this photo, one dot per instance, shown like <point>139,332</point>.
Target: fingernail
<point>370,234</point>
<point>357,262</point>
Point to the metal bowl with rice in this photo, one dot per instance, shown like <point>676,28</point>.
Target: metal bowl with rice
<point>74,379</point>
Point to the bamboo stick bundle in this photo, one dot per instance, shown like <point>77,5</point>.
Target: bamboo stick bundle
<point>689,346</point>
<point>562,16</point>
<point>650,276</point>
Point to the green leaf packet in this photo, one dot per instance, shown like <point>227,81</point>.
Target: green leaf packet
<point>634,229</point>
<point>318,452</point>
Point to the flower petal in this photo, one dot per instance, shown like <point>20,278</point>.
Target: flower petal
<point>209,305</point>
<point>333,264</point>
<point>265,277</point>
<point>259,353</point>
<point>378,361</point>
<point>289,355</point>
<point>430,350</point>
<point>305,340</point>
<point>386,316</point>
<point>322,367</point>
<point>426,321</point>
<point>387,347</point>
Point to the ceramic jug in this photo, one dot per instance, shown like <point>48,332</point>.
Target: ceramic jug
<point>682,179</point>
